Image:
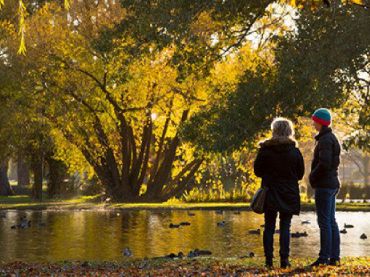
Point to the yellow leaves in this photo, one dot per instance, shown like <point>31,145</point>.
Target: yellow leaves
<point>22,27</point>
<point>71,154</point>
<point>296,4</point>
<point>315,4</point>
<point>22,14</point>
<point>358,2</point>
<point>67,4</point>
<point>1,3</point>
<point>226,74</point>
<point>22,46</point>
<point>204,26</point>
<point>6,29</point>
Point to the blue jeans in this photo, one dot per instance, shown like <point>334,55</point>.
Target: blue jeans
<point>268,233</point>
<point>329,231</point>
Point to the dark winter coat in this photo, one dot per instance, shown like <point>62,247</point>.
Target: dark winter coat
<point>325,163</point>
<point>280,165</point>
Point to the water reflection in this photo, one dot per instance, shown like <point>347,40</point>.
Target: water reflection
<point>101,235</point>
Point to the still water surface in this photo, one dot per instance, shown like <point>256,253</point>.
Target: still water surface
<point>101,235</point>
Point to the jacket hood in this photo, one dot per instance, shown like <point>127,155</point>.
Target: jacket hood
<point>282,142</point>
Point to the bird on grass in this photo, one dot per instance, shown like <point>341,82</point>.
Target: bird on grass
<point>299,235</point>
<point>254,232</point>
<point>127,252</point>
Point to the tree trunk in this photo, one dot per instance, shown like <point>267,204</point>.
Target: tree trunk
<point>366,164</point>
<point>37,169</point>
<point>57,173</point>
<point>12,170</point>
<point>5,188</point>
<point>23,171</point>
<point>123,173</point>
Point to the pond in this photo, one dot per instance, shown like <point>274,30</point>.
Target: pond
<point>102,235</point>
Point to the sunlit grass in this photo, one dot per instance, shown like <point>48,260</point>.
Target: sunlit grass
<point>15,199</point>
<point>25,201</point>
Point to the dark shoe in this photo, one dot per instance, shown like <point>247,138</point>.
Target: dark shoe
<point>284,263</point>
<point>334,262</point>
<point>319,262</point>
<point>269,263</point>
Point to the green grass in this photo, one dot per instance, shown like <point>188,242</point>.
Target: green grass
<point>91,202</point>
<point>26,202</point>
<point>15,199</point>
<point>365,207</point>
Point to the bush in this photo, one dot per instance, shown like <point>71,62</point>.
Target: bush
<point>354,191</point>
<point>217,195</point>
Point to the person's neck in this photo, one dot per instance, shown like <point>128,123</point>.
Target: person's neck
<point>324,128</point>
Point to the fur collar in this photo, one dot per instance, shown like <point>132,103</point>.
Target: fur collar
<point>278,141</point>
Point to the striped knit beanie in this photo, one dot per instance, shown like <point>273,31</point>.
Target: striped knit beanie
<point>322,116</point>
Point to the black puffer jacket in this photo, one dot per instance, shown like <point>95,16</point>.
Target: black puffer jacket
<point>325,163</point>
<point>280,165</point>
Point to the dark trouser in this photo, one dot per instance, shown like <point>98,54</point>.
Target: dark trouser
<point>329,232</point>
<point>268,234</point>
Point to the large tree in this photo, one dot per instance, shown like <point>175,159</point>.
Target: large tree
<point>118,84</point>
<point>317,64</point>
<point>116,81</point>
<point>24,133</point>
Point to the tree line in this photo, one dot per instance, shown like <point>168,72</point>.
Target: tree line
<point>144,94</point>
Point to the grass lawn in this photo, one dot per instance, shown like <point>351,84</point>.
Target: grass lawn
<point>26,202</point>
<point>92,202</point>
<point>186,267</point>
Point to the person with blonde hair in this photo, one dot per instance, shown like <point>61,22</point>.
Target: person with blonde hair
<point>280,164</point>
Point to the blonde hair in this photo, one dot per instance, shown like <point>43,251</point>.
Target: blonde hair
<point>282,128</point>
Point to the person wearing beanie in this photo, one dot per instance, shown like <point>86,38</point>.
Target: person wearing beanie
<point>322,117</point>
<point>324,180</point>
